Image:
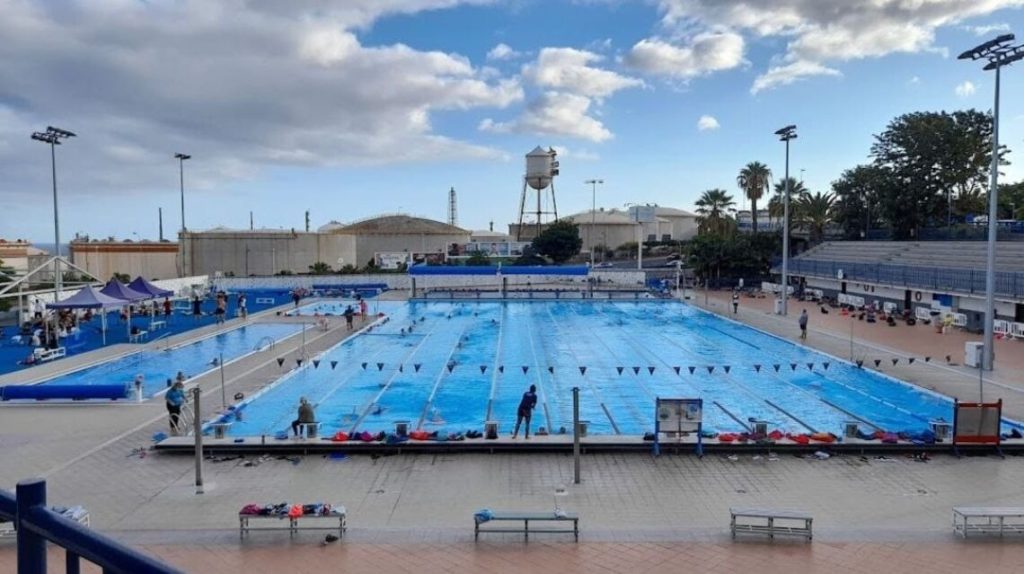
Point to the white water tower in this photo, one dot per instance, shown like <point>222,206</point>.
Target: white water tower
<point>541,169</point>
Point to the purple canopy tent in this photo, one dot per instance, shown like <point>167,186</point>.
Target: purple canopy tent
<point>142,286</point>
<point>89,298</point>
<point>118,290</point>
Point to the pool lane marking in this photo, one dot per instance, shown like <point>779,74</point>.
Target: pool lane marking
<point>440,377</point>
<point>792,416</point>
<point>851,415</point>
<point>586,381</point>
<point>732,416</point>
<point>162,416</point>
<point>497,359</point>
<point>537,368</point>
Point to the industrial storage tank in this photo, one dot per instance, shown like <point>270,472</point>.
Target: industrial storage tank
<point>540,167</point>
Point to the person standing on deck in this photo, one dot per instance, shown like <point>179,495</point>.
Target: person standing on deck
<point>349,314</point>
<point>803,325</point>
<point>243,309</point>
<point>363,308</point>
<point>525,411</point>
<point>735,301</point>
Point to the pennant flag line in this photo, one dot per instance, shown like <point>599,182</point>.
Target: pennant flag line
<point>483,368</point>
<point>676,369</point>
<point>316,363</point>
<point>650,370</point>
<point>298,362</point>
<point>525,369</point>
<point>757,368</point>
<point>335,364</point>
<point>636,370</point>
<point>583,370</point>
<point>619,369</point>
<point>363,365</point>
<point>727,368</point>
<point>380,366</point>
<point>417,366</point>
<point>280,361</point>
<point>551,370</point>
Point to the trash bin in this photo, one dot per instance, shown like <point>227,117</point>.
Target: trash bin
<point>220,429</point>
<point>761,428</point>
<point>972,353</point>
<point>583,428</point>
<point>778,306</point>
<point>941,430</point>
<point>491,429</point>
<point>850,429</point>
<point>401,428</point>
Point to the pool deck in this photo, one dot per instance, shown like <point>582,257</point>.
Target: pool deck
<point>412,512</point>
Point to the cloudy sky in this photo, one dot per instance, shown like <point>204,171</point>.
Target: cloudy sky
<point>358,107</point>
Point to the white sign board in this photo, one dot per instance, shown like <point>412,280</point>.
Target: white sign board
<point>643,213</point>
<point>391,260</point>
<point>673,413</point>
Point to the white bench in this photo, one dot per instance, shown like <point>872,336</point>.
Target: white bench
<point>141,335</point>
<point>767,521</point>
<point>156,325</point>
<point>43,355</point>
<point>75,513</point>
<point>997,520</point>
<point>959,320</point>
<point>526,518</point>
<point>1017,330</point>
<point>923,313</point>
<point>295,524</point>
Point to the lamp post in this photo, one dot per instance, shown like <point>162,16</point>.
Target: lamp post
<point>181,184</point>
<point>785,134</point>
<point>999,52</point>
<point>593,215</point>
<point>53,136</point>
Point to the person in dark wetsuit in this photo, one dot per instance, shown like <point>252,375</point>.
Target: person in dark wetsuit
<point>526,410</point>
<point>349,313</point>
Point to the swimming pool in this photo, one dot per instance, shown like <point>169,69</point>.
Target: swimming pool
<point>336,307</point>
<point>193,359</point>
<point>466,363</point>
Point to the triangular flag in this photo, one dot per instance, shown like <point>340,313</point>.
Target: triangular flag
<point>860,363</point>
<point>636,370</point>
<point>363,365</point>
<point>525,368</point>
<point>551,369</point>
<point>316,363</point>
<point>810,366</point>
<point>417,366</point>
<point>401,368</point>
<point>927,359</point>
<point>451,367</point>
<point>298,362</point>
<point>280,361</point>
<point>711,369</point>
<point>757,368</point>
<point>727,368</point>
<point>792,366</point>
<point>894,361</point>
<point>583,370</point>
<point>619,369</point>
<point>650,370</point>
<point>878,362</point>
<point>826,364</point>
<point>483,368</point>
<point>676,369</point>
<point>776,367</point>
<point>334,364</point>
<point>691,369</point>
<point>380,366</point>
<point>501,368</point>
<point>911,360</point>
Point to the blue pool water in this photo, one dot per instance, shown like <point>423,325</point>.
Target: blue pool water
<point>385,376</point>
<point>192,359</point>
<point>336,307</point>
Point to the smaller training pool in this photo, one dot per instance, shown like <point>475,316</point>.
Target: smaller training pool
<point>336,308</point>
<point>191,358</point>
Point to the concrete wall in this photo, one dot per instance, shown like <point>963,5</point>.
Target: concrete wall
<point>255,253</point>
<point>369,245</point>
<point>151,264</point>
<point>403,281</point>
<point>682,227</point>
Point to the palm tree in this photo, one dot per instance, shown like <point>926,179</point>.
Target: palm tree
<point>714,210</point>
<point>815,210</point>
<point>754,181</point>
<point>796,191</point>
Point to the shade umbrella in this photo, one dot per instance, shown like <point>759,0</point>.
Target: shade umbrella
<point>142,286</point>
<point>89,298</point>
<point>118,290</point>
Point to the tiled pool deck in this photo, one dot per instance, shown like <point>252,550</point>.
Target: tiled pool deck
<point>412,513</point>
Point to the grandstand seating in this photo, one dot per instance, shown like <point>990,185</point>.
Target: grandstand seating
<point>923,254</point>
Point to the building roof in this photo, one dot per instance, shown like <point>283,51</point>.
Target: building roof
<point>602,217</point>
<point>400,225</point>
<point>672,212</point>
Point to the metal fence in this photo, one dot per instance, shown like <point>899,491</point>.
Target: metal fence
<point>36,524</point>
<point>1008,284</point>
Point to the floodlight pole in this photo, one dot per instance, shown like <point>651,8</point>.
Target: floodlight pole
<point>593,215</point>
<point>999,53</point>
<point>53,136</point>
<point>181,184</point>
<point>785,134</point>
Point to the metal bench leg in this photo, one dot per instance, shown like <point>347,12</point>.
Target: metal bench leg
<point>476,531</point>
<point>526,529</point>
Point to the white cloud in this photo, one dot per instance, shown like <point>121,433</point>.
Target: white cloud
<point>789,73</point>
<point>570,70</point>
<point>706,123</point>
<point>241,85</point>
<point>914,80</point>
<point>554,113</point>
<point>705,53</point>
<point>503,52</point>
<point>988,29</point>
<point>965,90</point>
<point>822,32</point>
<point>578,154</point>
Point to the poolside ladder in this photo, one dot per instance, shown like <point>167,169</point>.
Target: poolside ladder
<point>265,344</point>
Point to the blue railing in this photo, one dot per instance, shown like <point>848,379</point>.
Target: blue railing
<point>36,524</point>
<point>1010,284</point>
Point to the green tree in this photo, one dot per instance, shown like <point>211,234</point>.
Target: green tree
<point>776,205</point>
<point>714,213</point>
<point>320,268</point>
<point>530,257</point>
<point>858,194</point>
<point>1011,200</point>
<point>560,241</point>
<point>815,210</point>
<point>122,277</point>
<point>755,181</point>
<point>928,155</point>
<point>478,260</point>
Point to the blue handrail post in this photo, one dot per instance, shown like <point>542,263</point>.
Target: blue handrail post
<point>31,546</point>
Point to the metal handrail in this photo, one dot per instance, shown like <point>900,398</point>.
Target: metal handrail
<point>36,524</point>
<point>268,340</point>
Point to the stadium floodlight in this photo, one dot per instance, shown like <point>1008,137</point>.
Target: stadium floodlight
<point>785,134</point>
<point>593,215</point>
<point>999,53</point>
<point>53,136</point>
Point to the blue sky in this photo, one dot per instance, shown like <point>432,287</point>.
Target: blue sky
<point>356,108</point>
